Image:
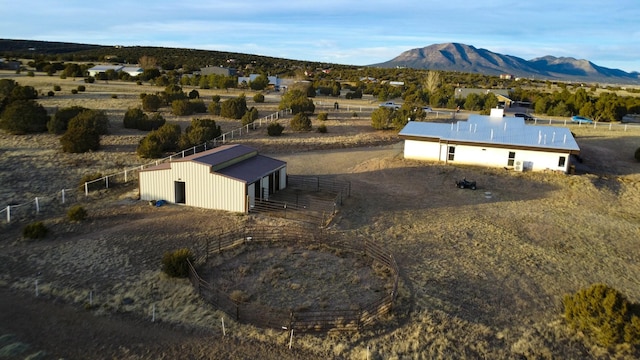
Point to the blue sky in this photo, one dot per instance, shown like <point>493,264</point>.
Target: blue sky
<point>353,32</point>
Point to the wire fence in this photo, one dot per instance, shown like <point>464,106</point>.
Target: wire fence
<point>53,203</point>
<point>348,319</point>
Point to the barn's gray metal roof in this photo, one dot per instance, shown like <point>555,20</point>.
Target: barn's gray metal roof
<point>249,169</point>
<point>219,155</point>
<point>252,169</point>
<point>495,131</point>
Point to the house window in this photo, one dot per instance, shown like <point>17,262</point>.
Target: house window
<point>452,152</point>
<point>562,161</point>
<point>512,157</point>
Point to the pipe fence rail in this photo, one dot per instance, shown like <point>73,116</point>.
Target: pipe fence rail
<point>311,199</point>
<point>351,319</point>
<point>30,209</point>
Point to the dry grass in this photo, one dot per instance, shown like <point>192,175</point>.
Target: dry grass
<point>298,278</point>
<point>482,277</point>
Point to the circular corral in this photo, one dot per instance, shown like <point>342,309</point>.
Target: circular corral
<point>294,278</point>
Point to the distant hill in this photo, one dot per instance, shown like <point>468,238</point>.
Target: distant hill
<point>466,58</point>
<point>43,47</point>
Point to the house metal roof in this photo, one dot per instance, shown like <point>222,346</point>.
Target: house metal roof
<point>494,131</point>
<point>106,67</point>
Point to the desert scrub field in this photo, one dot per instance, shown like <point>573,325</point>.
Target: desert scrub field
<point>483,272</point>
<point>300,278</point>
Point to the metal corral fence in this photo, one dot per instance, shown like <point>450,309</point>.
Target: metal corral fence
<point>53,203</point>
<point>301,320</point>
<point>313,199</point>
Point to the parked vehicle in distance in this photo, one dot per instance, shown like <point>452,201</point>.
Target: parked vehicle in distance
<point>390,105</point>
<point>526,117</point>
<point>581,120</point>
<point>427,109</point>
<point>466,184</point>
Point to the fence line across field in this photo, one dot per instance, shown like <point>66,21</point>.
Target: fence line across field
<point>36,206</point>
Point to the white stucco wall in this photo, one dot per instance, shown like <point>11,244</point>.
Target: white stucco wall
<point>533,160</point>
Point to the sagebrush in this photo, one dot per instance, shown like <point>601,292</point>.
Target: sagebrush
<point>603,314</point>
<point>175,263</point>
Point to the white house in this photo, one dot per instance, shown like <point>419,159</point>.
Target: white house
<point>493,141</point>
<point>273,80</point>
<point>229,177</point>
<point>104,68</point>
<point>133,70</point>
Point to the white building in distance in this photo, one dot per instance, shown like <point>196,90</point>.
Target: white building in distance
<point>492,141</point>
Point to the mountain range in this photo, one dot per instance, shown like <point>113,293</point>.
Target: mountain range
<point>466,58</point>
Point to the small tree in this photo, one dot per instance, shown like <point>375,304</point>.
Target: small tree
<point>60,121</point>
<point>234,108</point>
<point>259,98</point>
<point>381,118</point>
<point>214,108</point>
<point>199,132</point>
<point>82,134</point>
<point>152,123</point>
<point>158,141</point>
<point>250,116</point>
<point>194,94</point>
<point>133,117</point>
<point>300,122</point>
<point>24,117</point>
<point>151,102</point>
<point>297,101</point>
<point>323,116</point>
<point>181,107</point>
<point>275,129</point>
<point>259,83</point>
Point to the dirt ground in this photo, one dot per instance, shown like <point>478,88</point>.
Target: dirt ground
<point>483,272</point>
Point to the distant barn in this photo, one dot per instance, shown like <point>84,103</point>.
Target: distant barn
<point>230,177</point>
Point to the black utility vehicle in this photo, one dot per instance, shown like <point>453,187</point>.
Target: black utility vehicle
<point>466,184</point>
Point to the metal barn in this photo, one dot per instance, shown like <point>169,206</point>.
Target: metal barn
<point>229,177</point>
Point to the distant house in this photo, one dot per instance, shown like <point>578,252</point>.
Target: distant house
<point>218,70</point>
<point>273,80</point>
<point>501,94</point>
<point>368,79</point>
<point>230,177</point>
<point>133,70</point>
<point>492,141</point>
<point>9,64</point>
<point>631,118</point>
<point>103,69</point>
